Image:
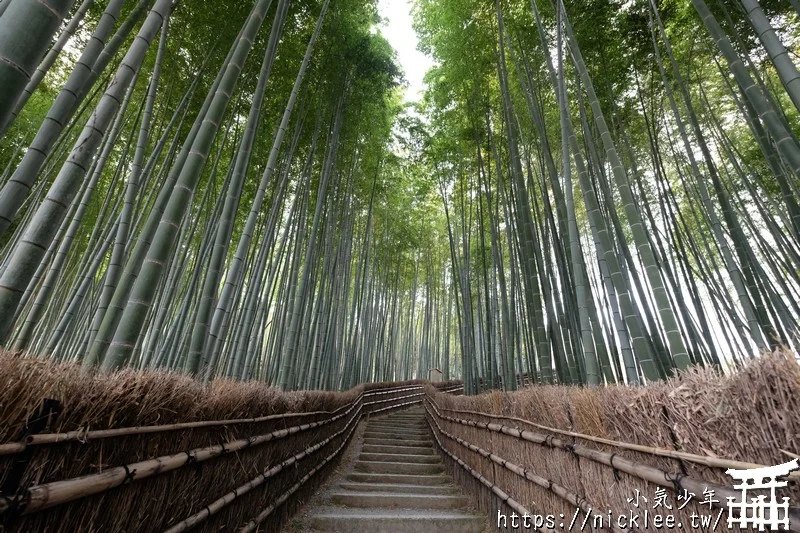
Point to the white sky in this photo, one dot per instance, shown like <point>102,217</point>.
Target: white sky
<point>401,36</point>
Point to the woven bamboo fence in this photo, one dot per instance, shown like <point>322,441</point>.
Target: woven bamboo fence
<point>588,456</point>
<point>147,451</point>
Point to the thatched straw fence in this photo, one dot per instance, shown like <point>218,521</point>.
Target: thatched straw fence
<point>581,452</point>
<point>148,451</point>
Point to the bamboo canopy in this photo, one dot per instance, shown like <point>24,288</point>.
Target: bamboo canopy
<point>231,231</point>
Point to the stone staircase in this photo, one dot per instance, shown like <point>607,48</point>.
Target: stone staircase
<point>397,485</point>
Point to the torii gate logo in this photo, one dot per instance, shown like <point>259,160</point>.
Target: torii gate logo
<point>758,511</point>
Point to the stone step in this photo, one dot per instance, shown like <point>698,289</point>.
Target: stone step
<point>400,458</point>
<point>400,438</point>
<point>404,423</point>
<point>410,427</point>
<point>344,520</point>
<point>397,484</point>
<point>407,488</point>
<point>399,448</point>
<point>409,500</point>
<point>417,424</point>
<point>407,479</point>
<point>380,467</point>
<point>383,441</point>
<point>395,434</point>
<point>392,427</point>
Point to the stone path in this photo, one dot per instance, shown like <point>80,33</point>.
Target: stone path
<point>396,484</point>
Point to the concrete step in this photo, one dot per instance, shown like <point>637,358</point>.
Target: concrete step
<point>400,500</point>
<point>399,448</point>
<point>393,479</point>
<point>380,467</point>
<point>407,488</point>
<point>384,441</point>
<point>400,458</point>
<point>343,520</point>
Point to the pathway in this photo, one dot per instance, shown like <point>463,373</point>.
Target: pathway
<point>397,484</point>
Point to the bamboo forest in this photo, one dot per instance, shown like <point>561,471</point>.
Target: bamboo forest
<point>529,255</point>
<point>601,194</point>
<point>588,193</point>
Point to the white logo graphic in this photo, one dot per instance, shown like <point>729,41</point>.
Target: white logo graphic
<point>758,511</point>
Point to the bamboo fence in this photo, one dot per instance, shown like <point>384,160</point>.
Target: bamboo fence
<point>148,451</point>
<point>139,451</point>
<point>579,453</point>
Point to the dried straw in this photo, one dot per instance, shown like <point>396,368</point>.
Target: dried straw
<point>604,444</point>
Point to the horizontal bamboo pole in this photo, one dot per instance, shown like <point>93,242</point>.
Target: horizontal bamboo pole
<point>85,435</point>
<point>393,399</point>
<point>500,493</point>
<point>391,391</point>
<point>252,525</point>
<point>559,490</point>
<point>713,462</point>
<point>398,406</point>
<point>48,495</point>
<point>645,472</point>
<point>220,503</point>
